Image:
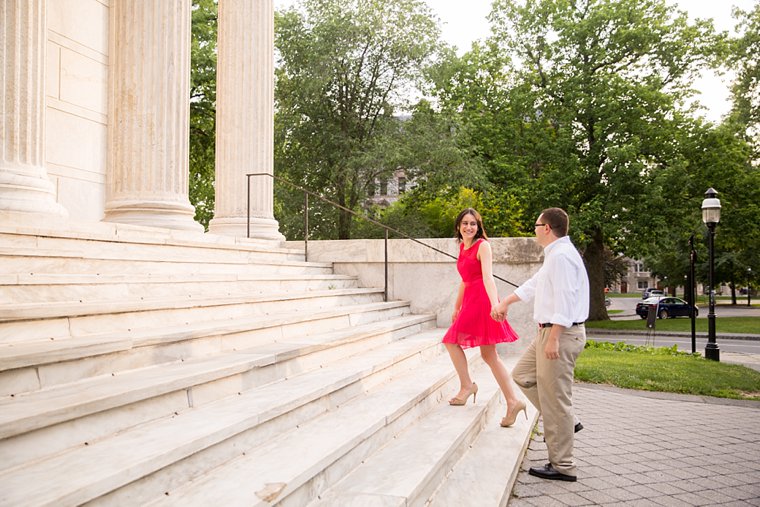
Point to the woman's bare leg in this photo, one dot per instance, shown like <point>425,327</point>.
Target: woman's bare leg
<point>460,365</point>
<point>500,373</point>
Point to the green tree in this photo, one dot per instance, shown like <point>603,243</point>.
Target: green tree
<point>203,108</point>
<point>345,71</point>
<point>433,214</point>
<point>711,156</point>
<point>746,89</point>
<point>600,84</point>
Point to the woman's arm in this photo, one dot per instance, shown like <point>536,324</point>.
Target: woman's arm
<point>486,267</point>
<point>458,304</point>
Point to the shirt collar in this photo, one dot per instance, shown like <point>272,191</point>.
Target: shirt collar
<point>548,248</point>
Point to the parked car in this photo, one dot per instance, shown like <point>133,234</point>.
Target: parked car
<point>665,306</point>
<point>648,293</point>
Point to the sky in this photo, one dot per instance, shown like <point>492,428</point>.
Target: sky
<point>464,21</point>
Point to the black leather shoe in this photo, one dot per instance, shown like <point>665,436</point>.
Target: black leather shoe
<point>547,472</point>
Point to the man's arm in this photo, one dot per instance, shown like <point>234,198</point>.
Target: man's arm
<point>499,310</point>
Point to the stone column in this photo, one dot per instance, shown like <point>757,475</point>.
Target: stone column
<point>245,118</point>
<point>149,114</point>
<point>24,183</point>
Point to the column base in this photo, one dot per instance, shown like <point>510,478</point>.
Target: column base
<point>261,228</point>
<point>27,189</point>
<point>166,215</point>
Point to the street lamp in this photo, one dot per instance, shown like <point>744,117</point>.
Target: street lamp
<point>711,217</point>
<point>749,285</point>
<point>692,293</point>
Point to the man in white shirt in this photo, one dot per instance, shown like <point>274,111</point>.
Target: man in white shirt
<point>560,291</point>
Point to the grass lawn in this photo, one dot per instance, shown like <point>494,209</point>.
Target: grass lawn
<point>663,369</point>
<point>745,325</point>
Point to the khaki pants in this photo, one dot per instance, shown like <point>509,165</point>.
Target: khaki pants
<point>548,384</point>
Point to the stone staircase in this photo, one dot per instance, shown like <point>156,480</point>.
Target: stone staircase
<point>147,367</point>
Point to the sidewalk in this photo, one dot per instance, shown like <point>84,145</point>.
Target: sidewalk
<point>748,360</point>
<point>652,449</point>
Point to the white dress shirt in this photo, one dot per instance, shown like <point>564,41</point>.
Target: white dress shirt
<point>560,287</point>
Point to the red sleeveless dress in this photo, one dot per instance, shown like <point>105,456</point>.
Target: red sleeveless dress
<point>474,326</point>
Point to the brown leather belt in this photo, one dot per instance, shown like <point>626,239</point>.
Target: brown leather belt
<point>549,324</point>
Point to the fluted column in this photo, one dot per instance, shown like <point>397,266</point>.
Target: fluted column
<point>149,114</point>
<point>245,118</point>
<point>24,183</point>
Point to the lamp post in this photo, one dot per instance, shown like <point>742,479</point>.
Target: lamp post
<point>692,292</point>
<point>711,217</point>
<point>749,285</point>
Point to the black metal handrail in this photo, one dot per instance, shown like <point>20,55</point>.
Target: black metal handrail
<point>308,192</point>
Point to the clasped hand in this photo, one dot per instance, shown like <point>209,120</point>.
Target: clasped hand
<point>499,311</point>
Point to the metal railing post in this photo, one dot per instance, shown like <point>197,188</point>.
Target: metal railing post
<point>248,208</point>
<point>385,292</point>
<point>306,228</point>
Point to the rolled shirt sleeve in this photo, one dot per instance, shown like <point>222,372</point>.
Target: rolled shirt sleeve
<point>527,291</point>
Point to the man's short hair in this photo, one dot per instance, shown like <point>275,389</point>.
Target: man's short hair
<point>557,220</point>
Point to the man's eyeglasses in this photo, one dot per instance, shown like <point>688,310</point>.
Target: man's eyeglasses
<point>539,225</point>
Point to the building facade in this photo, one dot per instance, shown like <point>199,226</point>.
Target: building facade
<point>386,191</point>
<point>95,122</point>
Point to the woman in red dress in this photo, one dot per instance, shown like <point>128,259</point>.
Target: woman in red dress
<point>471,323</point>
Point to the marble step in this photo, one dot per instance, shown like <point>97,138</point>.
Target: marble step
<point>159,455</point>
<point>487,472</point>
<point>264,303</point>
<point>185,314</point>
<point>92,288</point>
<point>14,269</point>
<point>11,223</point>
<point>67,415</point>
<point>52,279</point>
<point>87,250</point>
<point>293,467</point>
<point>408,470</point>
<point>31,365</point>
<point>158,246</point>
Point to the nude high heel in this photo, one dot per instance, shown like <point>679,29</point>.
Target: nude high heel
<point>456,401</point>
<point>512,412</point>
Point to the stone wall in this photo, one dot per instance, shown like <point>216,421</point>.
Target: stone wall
<point>428,279</point>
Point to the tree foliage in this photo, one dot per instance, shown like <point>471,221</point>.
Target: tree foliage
<point>346,70</point>
<point>203,109</point>
<point>746,89</point>
<point>595,92</point>
<point>582,104</point>
<point>433,214</point>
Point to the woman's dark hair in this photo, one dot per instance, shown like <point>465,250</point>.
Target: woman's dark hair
<point>481,230</point>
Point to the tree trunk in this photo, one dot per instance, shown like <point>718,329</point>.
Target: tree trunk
<point>344,225</point>
<point>593,257</point>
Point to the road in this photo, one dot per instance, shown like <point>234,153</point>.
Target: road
<point>628,307</point>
